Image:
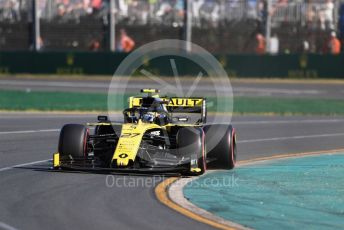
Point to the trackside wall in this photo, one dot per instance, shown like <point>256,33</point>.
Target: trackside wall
<point>105,63</point>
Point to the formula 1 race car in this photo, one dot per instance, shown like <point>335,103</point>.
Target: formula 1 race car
<point>158,135</point>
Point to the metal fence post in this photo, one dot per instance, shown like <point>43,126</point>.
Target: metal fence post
<point>188,24</point>
<point>36,27</point>
<point>112,26</point>
<point>268,26</point>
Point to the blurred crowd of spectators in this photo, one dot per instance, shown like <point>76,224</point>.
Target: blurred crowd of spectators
<point>323,15</point>
<point>212,12</point>
<point>66,10</point>
<point>311,13</point>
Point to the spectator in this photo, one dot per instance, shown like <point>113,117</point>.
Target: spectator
<point>305,48</point>
<point>165,8</point>
<point>281,5</point>
<point>326,15</point>
<point>171,12</point>
<point>138,12</point>
<point>122,9</point>
<point>96,5</point>
<point>209,12</point>
<point>152,7</point>
<point>86,7</point>
<point>310,11</point>
<point>126,43</point>
<point>252,9</point>
<point>262,10</point>
<point>196,6</point>
<point>274,44</point>
<point>40,43</point>
<point>95,45</point>
<point>61,10</point>
<point>261,44</point>
<point>10,11</point>
<point>334,44</point>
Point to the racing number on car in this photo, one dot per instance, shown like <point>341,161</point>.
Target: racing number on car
<point>129,135</point>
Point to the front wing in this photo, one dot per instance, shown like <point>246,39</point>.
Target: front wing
<point>90,166</point>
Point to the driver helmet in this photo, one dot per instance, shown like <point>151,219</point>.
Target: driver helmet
<point>148,117</point>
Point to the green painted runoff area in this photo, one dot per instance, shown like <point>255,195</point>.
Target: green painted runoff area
<point>294,193</point>
<point>72,101</point>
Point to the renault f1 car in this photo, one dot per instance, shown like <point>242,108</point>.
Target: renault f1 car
<point>157,135</point>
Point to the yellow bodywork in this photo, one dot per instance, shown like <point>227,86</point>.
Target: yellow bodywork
<point>56,160</point>
<point>196,170</point>
<point>129,142</point>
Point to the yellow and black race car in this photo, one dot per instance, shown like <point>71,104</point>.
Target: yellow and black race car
<point>159,134</point>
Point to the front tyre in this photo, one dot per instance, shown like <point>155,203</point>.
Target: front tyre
<point>191,144</point>
<point>73,141</point>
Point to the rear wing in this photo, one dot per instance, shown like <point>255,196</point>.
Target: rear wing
<point>178,105</point>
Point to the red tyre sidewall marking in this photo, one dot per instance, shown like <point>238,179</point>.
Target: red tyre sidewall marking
<point>85,142</point>
<point>232,146</point>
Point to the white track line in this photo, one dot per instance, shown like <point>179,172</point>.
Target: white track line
<point>22,165</point>
<point>291,138</point>
<point>6,226</point>
<point>287,121</point>
<point>30,131</point>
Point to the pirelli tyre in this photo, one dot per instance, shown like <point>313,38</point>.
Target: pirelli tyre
<point>221,146</point>
<point>73,141</point>
<point>190,142</point>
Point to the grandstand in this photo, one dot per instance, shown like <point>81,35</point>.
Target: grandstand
<point>231,25</point>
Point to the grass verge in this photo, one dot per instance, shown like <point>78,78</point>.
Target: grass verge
<point>69,101</point>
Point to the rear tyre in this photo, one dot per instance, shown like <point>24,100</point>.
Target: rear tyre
<point>221,146</point>
<point>190,142</point>
<point>73,141</point>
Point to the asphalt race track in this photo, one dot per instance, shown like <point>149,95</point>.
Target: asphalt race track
<point>33,197</point>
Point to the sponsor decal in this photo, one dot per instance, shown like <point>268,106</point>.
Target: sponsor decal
<point>184,102</point>
<point>155,133</point>
<point>129,135</point>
